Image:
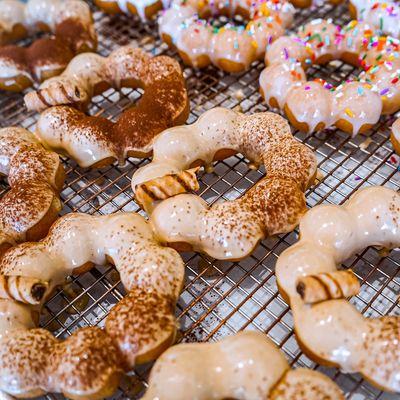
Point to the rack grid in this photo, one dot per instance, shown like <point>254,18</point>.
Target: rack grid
<point>221,298</point>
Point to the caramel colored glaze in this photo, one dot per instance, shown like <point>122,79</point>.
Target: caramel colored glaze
<point>329,329</point>
<point>20,67</point>
<point>35,176</point>
<point>94,141</point>
<point>88,364</point>
<point>246,366</point>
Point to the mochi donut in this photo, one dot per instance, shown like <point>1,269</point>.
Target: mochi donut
<point>395,136</point>
<point>72,27</point>
<point>89,363</point>
<point>95,141</point>
<point>228,230</point>
<point>231,48</point>
<point>36,177</point>
<point>246,366</point>
<point>382,14</point>
<point>329,329</point>
<point>353,106</point>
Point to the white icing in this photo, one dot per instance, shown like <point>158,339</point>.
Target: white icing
<point>358,103</point>
<point>49,12</point>
<point>239,45</point>
<point>334,330</point>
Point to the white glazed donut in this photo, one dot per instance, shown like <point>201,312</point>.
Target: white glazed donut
<point>332,331</point>
<point>353,106</point>
<point>231,48</point>
<point>246,366</point>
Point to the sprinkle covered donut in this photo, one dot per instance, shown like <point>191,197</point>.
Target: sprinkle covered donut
<point>69,21</point>
<point>354,106</point>
<point>89,364</point>
<point>231,229</point>
<point>231,48</point>
<point>36,177</point>
<point>249,364</point>
<point>96,141</point>
<point>328,327</point>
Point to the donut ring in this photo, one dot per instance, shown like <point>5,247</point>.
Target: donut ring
<point>72,25</point>
<point>331,331</point>
<point>230,48</point>
<point>89,364</point>
<point>36,177</point>
<point>96,141</point>
<point>188,370</point>
<point>228,230</point>
<point>354,106</point>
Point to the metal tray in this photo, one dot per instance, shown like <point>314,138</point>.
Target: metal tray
<point>221,298</point>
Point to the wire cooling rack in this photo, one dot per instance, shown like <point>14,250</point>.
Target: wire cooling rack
<point>221,298</point>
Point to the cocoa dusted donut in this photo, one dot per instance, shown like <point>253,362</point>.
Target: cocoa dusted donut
<point>97,141</point>
<point>36,177</point>
<point>71,25</point>
<point>90,363</point>
<point>227,230</point>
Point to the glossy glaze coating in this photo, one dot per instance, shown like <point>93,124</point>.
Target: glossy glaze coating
<point>230,48</point>
<point>353,106</point>
<point>35,176</point>
<point>246,366</point>
<point>334,331</point>
<point>88,364</point>
<point>231,229</point>
<point>97,141</point>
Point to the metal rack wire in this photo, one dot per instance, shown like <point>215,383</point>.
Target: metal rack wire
<point>221,298</point>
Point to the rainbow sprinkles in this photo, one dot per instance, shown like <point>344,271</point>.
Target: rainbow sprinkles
<point>232,48</point>
<point>355,104</point>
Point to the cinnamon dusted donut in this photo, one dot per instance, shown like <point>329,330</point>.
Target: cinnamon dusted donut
<point>36,177</point>
<point>228,230</point>
<point>97,141</point>
<point>231,48</point>
<point>354,106</point>
<point>247,363</point>
<point>69,21</point>
<point>88,365</point>
<point>332,331</point>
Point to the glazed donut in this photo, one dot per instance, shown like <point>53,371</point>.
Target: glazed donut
<point>88,364</point>
<point>353,106</point>
<point>395,136</point>
<point>231,48</point>
<point>382,14</point>
<point>96,141</point>
<point>232,229</point>
<point>332,331</point>
<point>246,366</point>
<point>72,25</point>
<point>36,177</point>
